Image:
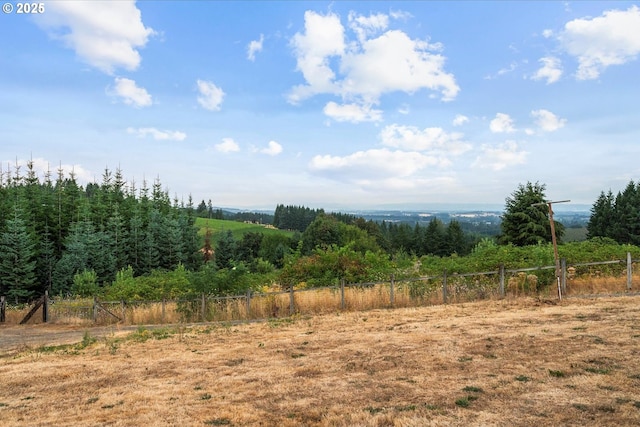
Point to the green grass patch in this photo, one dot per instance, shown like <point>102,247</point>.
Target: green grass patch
<point>523,378</point>
<point>218,422</point>
<point>472,389</point>
<point>557,374</point>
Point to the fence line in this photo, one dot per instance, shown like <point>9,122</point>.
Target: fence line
<point>414,291</point>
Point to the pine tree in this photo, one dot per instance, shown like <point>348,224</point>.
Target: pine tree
<point>17,260</point>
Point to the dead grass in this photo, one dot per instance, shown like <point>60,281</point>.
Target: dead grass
<point>512,362</point>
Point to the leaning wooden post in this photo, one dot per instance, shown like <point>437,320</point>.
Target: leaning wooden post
<point>3,307</point>
<point>292,303</point>
<point>342,304</point>
<point>391,295</point>
<point>45,307</point>
<point>629,271</point>
<point>501,275</point>
<point>444,286</point>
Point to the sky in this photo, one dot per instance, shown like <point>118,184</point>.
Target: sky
<point>337,105</point>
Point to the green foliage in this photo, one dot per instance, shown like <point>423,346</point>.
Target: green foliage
<point>85,284</point>
<point>524,224</point>
<point>617,218</point>
<point>17,259</point>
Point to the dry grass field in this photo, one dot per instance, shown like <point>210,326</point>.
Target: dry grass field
<point>522,362</point>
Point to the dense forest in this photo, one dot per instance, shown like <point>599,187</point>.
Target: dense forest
<point>122,242</point>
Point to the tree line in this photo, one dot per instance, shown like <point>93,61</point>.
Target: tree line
<point>52,228</point>
<point>618,217</point>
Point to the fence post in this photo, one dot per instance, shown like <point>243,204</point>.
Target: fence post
<point>248,303</point>
<point>342,294</point>
<point>292,304</point>
<point>629,271</point>
<point>124,313</point>
<point>501,275</point>
<point>164,302</point>
<point>444,286</point>
<point>3,307</point>
<point>203,307</point>
<point>391,295</point>
<point>95,309</point>
<point>45,307</point>
<point>563,276</point>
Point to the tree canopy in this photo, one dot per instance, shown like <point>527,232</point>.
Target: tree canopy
<point>525,223</point>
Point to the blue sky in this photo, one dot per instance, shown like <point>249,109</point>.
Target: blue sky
<point>340,105</point>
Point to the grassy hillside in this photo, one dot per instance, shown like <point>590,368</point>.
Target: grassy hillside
<point>237,228</point>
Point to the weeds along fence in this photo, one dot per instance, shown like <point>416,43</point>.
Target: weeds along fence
<point>576,279</point>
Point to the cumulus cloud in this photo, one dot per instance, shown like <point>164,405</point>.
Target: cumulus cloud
<point>434,140</point>
<point>551,70</point>
<point>211,96</point>
<point>597,43</point>
<point>254,47</point>
<point>547,121</point>
<point>159,135</point>
<point>373,164</point>
<point>131,93</point>
<point>228,145</point>
<point>104,34</point>
<point>273,149</point>
<point>500,156</point>
<point>360,69</point>
<point>502,123</point>
<point>460,119</point>
<point>353,113</point>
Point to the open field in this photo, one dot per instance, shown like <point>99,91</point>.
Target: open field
<point>525,361</point>
<point>238,229</point>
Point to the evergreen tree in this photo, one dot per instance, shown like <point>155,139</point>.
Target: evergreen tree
<point>602,216</point>
<point>524,224</point>
<point>17,260</point>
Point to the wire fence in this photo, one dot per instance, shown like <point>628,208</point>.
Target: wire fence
<point>574,279</point>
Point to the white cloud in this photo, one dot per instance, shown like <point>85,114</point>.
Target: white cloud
<point>360,70</point>
<point>211,96</point>
<point>323,38</point>
<point>434,140</point>
<point>548,121</point>
<point>254,47</point>
<point>547,33</point>
<point>228,145</point>
<point>460,119</point>
<point>130,93</point>
<point>502,123</point>
<point>597,43</point>
<point>367,26</point>
<point>353,113</point>
<point>160,135</point>
<point>373,164</point>
<point>273,149</point>
<point>501,156</point>
<point>104,34</point>
<point>551,70</point>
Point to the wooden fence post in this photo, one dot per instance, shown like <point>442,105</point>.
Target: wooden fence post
<point>164,303</point>
<point>563,276</point>
<point>501,275</point>
<point>391,295</point>
<point>444,286</point>
<point>629,271</point>
<point>203,307</point>
<point>45,307</point>
<point>292,304</point>
<point>95,309</point>
<point>3,307</point>
<point>341,294</point>
<point>248,303</point>
<point>124,313</point>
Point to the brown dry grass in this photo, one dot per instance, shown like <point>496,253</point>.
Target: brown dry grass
<point>511,362</point>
